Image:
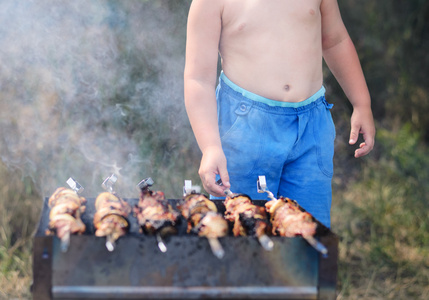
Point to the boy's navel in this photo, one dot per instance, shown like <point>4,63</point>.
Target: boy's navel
<point>286,87</point>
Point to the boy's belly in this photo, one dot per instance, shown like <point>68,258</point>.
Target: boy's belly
<point>291,81</point>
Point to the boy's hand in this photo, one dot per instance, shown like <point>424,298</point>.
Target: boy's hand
<point>362,122</point>
<point>213,163</point>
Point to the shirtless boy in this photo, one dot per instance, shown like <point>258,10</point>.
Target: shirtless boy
<point>268,115</point>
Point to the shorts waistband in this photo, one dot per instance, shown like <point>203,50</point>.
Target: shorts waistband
<point>270,102</point>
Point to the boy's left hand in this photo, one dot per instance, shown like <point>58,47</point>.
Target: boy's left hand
<point>362,122</point>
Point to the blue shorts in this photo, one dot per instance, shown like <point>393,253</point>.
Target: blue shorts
<point>291,144</point>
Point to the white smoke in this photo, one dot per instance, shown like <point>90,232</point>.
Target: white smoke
<point>72,90</point>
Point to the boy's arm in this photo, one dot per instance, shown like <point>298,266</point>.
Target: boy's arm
<point>203,34</point>
<point>341,57</point>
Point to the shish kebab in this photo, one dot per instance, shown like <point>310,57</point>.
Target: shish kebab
<point>288,219</point>
<point>66,208</point>
<point>111,217</point>
<point>203,218</point>
<point>247,218</point>
<point>154,214</point>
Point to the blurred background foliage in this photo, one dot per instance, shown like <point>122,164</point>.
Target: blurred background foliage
<point>87,89</point>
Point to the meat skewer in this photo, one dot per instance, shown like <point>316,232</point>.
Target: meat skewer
<point>154,214</point>
<point>289,220</point>
<point>248,219</point>
<point>66,208</point>
<point>111,217</point>
<point>203,219</point>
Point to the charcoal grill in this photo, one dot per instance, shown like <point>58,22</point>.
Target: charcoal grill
<point>137,269</point>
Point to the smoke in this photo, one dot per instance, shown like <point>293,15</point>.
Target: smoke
<point>91,88</point>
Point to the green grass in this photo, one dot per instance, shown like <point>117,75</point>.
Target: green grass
<point>19,211</point>
<point>382,220</point>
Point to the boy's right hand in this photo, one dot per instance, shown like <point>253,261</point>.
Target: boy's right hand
<point>213,163</point>
<point>362,122</point>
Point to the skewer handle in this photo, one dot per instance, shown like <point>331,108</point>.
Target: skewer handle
<point>145,183</point>
<point>261,185</point>
<point>227,191</point>
<point>74,185</point>
<point>109,182</point>
<point>266,242</point>
<point>216,247</point>
<point>188,188</point>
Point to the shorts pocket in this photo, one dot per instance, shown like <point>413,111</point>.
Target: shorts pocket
<point>240,136</point>
<point>324,132</point>
<point>233,118</point>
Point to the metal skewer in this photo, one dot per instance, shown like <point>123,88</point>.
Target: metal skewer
<point>161,244</point>
<point>74,185</point>
<point>266,242</point>
<point>188,188</point>
<point>110,242</point>
<point>262,188</point>
<point>316,245</point>
<point>65,240</point>
<point>226,191</point>
<point>145,184</point>
<point>229,193</point>
<point>214,243</point>
<point>109,182</point>
<point>107,185</point>
<point>216,247</point>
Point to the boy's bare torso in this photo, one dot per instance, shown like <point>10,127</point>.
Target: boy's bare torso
<point>273,48</point>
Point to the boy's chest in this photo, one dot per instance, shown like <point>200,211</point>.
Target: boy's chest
<point>240,16</point>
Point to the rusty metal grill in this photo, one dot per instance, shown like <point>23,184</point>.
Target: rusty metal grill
<point>137,269</point>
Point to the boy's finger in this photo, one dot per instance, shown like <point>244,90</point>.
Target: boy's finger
<point>210,185</point>
<point>354,134</point>
<point>363,150</point>
<point>225,178</point>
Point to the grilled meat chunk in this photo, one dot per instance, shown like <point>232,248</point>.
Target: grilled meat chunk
<point>154,213</point>
<point>111,217</point>
<point>66,209</point>
<point>248,219</point>
<point>203,219</point>
<point>212,225</point>
<point>289,220</point>
<point>202,216</point>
